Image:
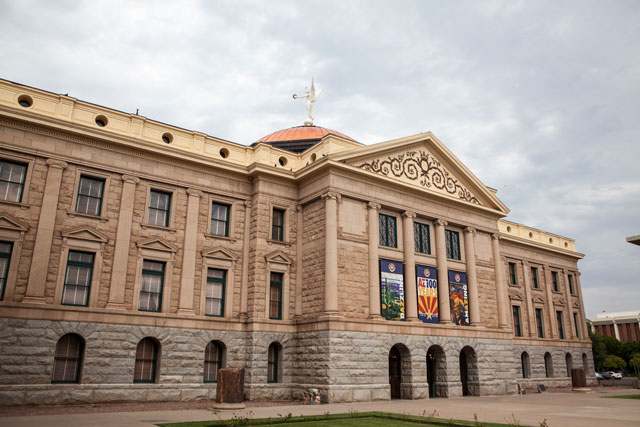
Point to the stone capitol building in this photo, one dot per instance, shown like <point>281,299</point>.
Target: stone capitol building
<point>138,258</point>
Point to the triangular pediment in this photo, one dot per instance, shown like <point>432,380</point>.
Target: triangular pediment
<point>85,233</point>
<point>278,257</point>
<point>423,162</point>
<point>8,222</point>
<point>576,305</point>
<point>157,244</point>
<point>559,303</point>
<point>538,300</point>
<point>219,253</point>
<point>515,297</point>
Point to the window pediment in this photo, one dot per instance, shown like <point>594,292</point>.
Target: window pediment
<point>278,257</point>
<point>576,305</point>
<point>220,253</point>
<point>515,297</point>
<point>538,300</point>
<point>85,233</point>
<point>157,244</point>
<point>7,222</point>
<point>559,303</point>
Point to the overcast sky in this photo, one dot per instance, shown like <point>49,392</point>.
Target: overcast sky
<point>540,99</point>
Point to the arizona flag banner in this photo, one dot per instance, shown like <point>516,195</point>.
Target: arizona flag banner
<point>427,280</point>
<point>391,290</point>
<point>459,298</point>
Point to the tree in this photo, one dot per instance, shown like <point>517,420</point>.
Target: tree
<point>614,362</point>
<point>599,350</point>
<point>635,363</point>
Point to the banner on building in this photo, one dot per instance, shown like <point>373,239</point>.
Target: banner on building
<point>391,290</point>
<point>427,281</point>
<point>459,298</point>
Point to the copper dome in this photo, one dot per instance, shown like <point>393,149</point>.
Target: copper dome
<point>299,138</point>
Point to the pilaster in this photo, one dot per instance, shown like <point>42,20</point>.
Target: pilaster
<point>299,258</point>
<point>444,310</point>
<point>374,241</point>
<point>410,295</point>
<point>571,333</point>
<point>246,238</point>
<point>331,253</point>
<point>552,315</point>
<point>189,255</point>
<point>472,278</point>
<point>501,288</point>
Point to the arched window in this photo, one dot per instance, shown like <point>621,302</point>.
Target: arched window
<point>273,363</point>
<point>146,361</point>
<point>524,361</point>
<point>213,360</point>
<point>68,359</point>
<point>548,365</point>
<point>569,360</point>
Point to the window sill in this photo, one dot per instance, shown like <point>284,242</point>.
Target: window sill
<point>88,216</point>
<point>215,236</point>
<point>18,204</point>
<point>511,285</point>
<point>279,242</point>
<point>158,227</point>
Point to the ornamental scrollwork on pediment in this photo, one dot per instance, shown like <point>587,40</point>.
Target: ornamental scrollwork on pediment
<point>422,167</point>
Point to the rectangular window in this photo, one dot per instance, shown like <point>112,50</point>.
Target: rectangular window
<point>216,283</point>
<point>387,228</point>
<point>12,177</point>
<point>151,288</point>
<point>159,208</point>
<point>560,325</point>
<point>570,278</point>
<point>513,279</point>
<point>277,227</point>
<point>77,280</point>
<point>89,199</point>
<point>453,244</point>
<point>5,257</point>
<point>576,322</point>
<point>275,296</point>
<point>516,321</point>
<point>534,276</point>
<point>220,220</point>
<point>421,238</point>
<point>539,324</point>
<point>554,279</point>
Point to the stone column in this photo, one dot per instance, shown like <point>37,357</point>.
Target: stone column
<point>571,333</point>
<point>299,261</point>
<point>552,318</point>
<point>331,253</point>
<point>410,294</point>
<point>190,241</point>
<point>44,234</point>
<point>444,309</point>
<point>374,269</point>
<point>246,239</point>
<point>584,332</point>
<point>533,331</point>
<point>472,278</point>
<point>501,287</point>
<point>123,242</point>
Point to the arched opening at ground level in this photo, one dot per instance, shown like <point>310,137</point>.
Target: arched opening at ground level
<point>469,372</point>
<point>400,372</point>
<point>437,372</point>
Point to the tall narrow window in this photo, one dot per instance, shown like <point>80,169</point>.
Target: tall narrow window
<point>539,324</point>
<point>159,208</point>
<point>560,324</point>
<point>516,321</point>
<point>513,279</point>
<point>146,361</point>
<point>220,220</point>
<point>576,322</point>
<point>421,238</point>
<point>570,278</point>
<point>272,362</point>
<point>275,296</point>
<point>534,276</point>
<point>5,258</point>
<point>554,279</point>
<point>68,359</point>
<point>216,283</point>
<point>212,361</point>
<point>77,280</point>
<point>524,361</point>
<point>12,177</point>
<point>453,244</point>
<point>387,228</point>
<point>89,200</point>
<point>151,288</point>
<point>277,226</point>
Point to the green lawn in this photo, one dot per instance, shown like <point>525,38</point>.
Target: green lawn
<point>355,419</point>
<point>624,396</point>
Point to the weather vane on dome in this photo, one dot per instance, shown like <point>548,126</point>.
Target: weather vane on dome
<point>312,96</point>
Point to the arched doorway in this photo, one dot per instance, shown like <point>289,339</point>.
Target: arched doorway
<point>569,360</point>
<point>524,362</point>
<point>395,372</point>
<point>436,371</point>
<point>548,365</point>
<point>469,372</point>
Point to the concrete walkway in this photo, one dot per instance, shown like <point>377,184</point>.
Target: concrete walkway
<point>559,409</point>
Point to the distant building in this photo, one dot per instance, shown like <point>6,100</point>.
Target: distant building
<point>624,325</point>
<point>635,240</point>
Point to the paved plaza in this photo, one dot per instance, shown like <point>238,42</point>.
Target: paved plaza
<point>559,409</point>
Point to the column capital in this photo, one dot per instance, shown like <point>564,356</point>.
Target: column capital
<point>495,236</point>
<point>409,214</point>
<point>58,164</point>
<point>192,192</point>
<point>331,195</point>
<point>299,208</point>
<point>247,203</point>
<point>470,230</point>
<point>374,205</point>
<point>441,222</point>
<point>130,179</point>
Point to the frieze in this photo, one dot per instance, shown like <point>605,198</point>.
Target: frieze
<point>422,167</point>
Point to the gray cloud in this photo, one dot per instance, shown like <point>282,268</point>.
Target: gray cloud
<point>539,99</point>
